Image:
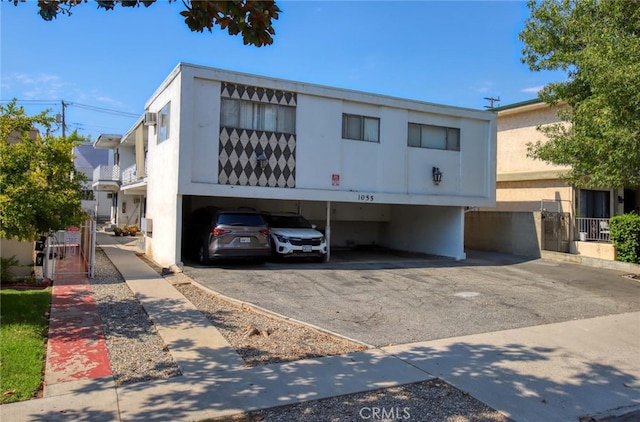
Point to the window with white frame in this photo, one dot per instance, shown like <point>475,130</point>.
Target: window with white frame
<point>244,114</point>
<point>360,128</point>
<point>433,137</point>
<point>163,122</point>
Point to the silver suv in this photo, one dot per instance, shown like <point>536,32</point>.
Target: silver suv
<point>293,236</point>
<point>215,234</point>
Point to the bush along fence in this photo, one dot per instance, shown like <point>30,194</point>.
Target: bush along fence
<point>625,233</point>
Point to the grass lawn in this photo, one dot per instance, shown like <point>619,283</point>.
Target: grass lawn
<point>23,326</point>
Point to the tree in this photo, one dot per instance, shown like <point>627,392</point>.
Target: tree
<point>40,189</point>
<point>598,44</point>
<point>252,19</point>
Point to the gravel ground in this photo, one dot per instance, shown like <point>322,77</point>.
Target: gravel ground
<point>137,353</point>
<point>260,339</point>
<point>432,401</point>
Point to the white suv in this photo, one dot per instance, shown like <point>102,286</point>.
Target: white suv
<point>293,236</point>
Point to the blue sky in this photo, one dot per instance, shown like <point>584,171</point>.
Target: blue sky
<point>453,53</point>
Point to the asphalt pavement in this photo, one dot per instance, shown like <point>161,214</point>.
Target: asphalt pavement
<point>382,298</point>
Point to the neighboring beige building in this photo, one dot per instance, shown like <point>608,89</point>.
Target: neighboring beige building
<point>531,193</point>
<point>525,184</point>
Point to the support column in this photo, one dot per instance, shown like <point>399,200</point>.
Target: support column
<point>327,232</point>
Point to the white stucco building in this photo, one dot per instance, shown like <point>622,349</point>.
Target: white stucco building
<point>368,169</point>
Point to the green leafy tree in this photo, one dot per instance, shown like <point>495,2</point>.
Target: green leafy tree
<point>598,44</point>
<point>40,189</point>
<point>252,19</point>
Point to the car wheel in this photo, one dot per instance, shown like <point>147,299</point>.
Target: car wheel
<point>275,256</point>
<point>203,255</point>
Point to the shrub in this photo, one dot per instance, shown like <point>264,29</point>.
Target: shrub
<point>625,234</point>
<point>5,274</point>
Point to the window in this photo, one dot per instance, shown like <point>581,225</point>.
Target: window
<point>257,116</point>
<point>595,203</point>
<point>163,122</point>
<point>434,137</point>
<point>360,128</point>
<point>87,195</point>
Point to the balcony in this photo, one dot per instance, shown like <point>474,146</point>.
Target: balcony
<point>133,182</point>
<point>593,229</point>
<point>106,178</point>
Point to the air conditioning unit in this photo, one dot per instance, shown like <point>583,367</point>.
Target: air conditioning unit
<point>150,119</point>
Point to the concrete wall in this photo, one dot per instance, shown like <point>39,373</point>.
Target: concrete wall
<point>23,252</point>
<point>517,233</point>
<point>597,250</point>
<point>430,230</point>
<point>163,203</point>
<point>532,195</point>
<point>129,210</point>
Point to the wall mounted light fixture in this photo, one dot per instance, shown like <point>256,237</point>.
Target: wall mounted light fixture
<point>620,199</point>
<point>436,174</point>
<point>262,159</point>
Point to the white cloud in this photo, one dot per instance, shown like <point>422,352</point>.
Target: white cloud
<point>484,87</point>
<point>532,89</point>
<point>52,87</point>
<point>34,87</point>
<point>113,103</point>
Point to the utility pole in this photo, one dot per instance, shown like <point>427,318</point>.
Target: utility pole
<point>491,101</point>
<point>64,122</point>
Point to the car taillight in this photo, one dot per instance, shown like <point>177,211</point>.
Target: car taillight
<point>265,232</point>
<point>218,232</point>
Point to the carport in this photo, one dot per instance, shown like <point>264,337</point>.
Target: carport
<point>410,228</point>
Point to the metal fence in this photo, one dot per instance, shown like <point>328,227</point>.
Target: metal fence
<point>593,229</point>
<point>71,252</point>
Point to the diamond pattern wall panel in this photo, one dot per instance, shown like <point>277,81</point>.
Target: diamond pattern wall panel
<point>238,158</point>
<point>252,93</point>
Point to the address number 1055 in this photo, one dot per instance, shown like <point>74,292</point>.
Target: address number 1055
<point>365,197</point>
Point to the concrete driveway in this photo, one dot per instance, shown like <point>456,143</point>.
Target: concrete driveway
<point>384,298</point>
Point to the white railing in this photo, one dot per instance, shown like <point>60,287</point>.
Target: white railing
<point>111,173</point>
<point>129,175</point>
<point>593,229</point>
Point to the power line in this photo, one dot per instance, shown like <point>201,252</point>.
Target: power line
<point>103,110</point>
<point>31,101</point>
<point>79,105</point>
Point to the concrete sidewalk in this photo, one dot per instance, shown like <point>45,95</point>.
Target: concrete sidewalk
<point>554,372</point>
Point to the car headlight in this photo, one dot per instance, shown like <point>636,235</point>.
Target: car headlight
<point>322,239</point>
<point>281,238</point>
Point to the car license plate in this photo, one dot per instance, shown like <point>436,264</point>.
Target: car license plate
<point>306,248</point>
<point>245,240</point>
